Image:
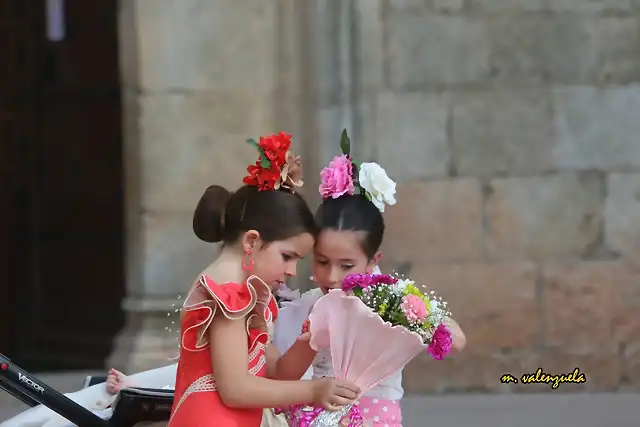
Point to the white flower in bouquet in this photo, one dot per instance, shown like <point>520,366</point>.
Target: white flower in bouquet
<point>402,284</point>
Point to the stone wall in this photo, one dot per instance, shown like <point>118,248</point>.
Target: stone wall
<point>199,77</point>
<point>512,128</point>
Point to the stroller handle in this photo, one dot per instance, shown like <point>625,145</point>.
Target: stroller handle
<point>21,382</point>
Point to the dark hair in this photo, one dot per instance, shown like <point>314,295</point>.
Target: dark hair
<point>353,213</point>
<point>222,216</point>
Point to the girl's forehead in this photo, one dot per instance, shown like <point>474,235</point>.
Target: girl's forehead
<point>339,244</point>
<point>299,244</point>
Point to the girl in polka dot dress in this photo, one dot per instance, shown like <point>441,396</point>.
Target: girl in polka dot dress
<point>351,232</point>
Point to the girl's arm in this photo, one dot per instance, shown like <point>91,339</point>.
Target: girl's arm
<point>273,355</point>
<point>293,364</point>
<point>457,336</point>
<point>239,389</point>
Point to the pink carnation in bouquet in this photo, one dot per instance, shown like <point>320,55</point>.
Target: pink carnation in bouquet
<point>352,322</point>
<point>401,303</point>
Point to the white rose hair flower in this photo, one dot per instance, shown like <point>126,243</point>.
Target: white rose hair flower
<point>378,187</point>
<point>345,176</point>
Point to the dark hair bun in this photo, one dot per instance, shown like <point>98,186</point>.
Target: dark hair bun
<point>208,218</point>
<point>222,216</point>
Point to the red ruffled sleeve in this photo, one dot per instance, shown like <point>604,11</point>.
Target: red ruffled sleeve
<point>273,308</point>
<point>232,300</point>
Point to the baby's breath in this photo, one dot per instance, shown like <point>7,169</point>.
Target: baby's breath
<point>386,300</point>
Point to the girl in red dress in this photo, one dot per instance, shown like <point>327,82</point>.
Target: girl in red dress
<point>225,356</point>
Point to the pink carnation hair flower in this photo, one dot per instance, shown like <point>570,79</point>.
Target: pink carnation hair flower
<point>441,342</point>
<point>414,308</point>
<point>337,178</point>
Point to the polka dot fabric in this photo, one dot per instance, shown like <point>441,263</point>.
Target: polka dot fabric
<point>381,412</point>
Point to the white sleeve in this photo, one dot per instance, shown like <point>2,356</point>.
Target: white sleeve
<point>164,377</point>
<point>291,316</point>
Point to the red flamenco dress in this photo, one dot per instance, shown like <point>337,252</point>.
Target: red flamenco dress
<point>197,402</point>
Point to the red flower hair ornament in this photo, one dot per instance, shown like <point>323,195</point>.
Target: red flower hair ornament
<point>276,166</point>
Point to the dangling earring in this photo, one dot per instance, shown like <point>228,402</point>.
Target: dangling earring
<point>248,263</point>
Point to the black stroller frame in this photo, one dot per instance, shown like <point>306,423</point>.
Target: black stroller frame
<point>132,405</point>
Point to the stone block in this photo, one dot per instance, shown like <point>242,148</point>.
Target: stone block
<point>494,304</point>
<point>564,48</point>
<point>332,120</point>
<point>191,141</point>
<point>426,49</point>
<point>439,220</point>
<point>145,343</point>
<point>503,131</point>
<point>291,39</point>
<point>622,215</point>
<point>171,254</point>
<point>591,6</point>
<point>344,47</point>
<point>631,365</point>
<point>127,46</point>
<point>367,148</point>
<point>448,5</point>
<point>412,135</point>
<point>506,5</point>
<point>601,367</point>
<point>590,304</point>
<point>411,6</point>
<point>614,44</point>
<point>468,371</point>
<point>543,217</point>
<point>473,371</point>
<point>206,44</point>
<point>370,43</point>
<point>626,322</point>
<point>520,49</point>
<point>597,128</point>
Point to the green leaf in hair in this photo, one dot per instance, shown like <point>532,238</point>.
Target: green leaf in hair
<point>356,169</point>
<point>345,143</point>
<point>264,160</point>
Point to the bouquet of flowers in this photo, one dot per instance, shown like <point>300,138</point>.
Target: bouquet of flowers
<point>373,327</point>
<point>401,303</point>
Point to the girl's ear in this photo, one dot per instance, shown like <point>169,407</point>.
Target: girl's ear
<point>375,260</point>
<point>249,240</point>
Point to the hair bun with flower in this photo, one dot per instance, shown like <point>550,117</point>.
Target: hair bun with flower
<point>345,176</point>
<point>277,167</point>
